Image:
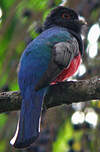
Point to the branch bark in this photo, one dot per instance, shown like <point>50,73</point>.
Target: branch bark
<point>63,93</point>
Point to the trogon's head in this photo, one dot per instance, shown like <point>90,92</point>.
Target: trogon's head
<point>64,17</point>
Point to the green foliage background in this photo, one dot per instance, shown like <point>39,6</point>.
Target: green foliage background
<point>18,26</point>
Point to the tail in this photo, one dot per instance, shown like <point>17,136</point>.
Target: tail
<point>28,127</point>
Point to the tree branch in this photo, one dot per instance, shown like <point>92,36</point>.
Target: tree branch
<point>62,93</point>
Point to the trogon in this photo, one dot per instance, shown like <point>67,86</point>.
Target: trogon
<point>52,57</point>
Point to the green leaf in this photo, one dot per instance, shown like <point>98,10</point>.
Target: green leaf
<point>3,119</point>
<point>2,145</point>
<point>65,133</point>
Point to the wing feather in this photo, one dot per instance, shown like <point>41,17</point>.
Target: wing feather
<point>62,55</point>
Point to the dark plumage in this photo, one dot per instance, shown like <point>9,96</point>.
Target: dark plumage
<point>64,17</point>
<point>67,18</point>
<point>52,57</point>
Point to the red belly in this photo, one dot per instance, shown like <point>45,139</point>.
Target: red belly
<point>69,71</point>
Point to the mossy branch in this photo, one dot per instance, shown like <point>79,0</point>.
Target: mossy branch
<point>63,93</point>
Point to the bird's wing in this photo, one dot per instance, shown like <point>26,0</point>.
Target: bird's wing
<point>62,55</point>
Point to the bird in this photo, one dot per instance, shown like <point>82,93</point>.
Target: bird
<point>51,58</point>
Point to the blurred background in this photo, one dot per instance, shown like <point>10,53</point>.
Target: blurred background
<point>74,128</point>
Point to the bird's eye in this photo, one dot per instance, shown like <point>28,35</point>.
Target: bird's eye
<point>67,16</point>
